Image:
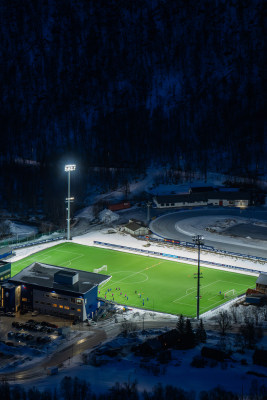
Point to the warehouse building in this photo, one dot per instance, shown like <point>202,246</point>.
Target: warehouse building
<point>261,283</point>
<point>56,290</point>
<point>5,274</point>
<point>136,228</point>
<point>223,199</point>
<point>5,252</point>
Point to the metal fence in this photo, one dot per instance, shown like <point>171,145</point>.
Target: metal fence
<point>173,256</point>
<point>203,247</point>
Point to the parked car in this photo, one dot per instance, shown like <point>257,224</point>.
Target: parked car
<point>35,313</point>
<point>11,334</point>
<point>17,325</point>
<point>11,344</point>
<point>29,337</point>
<point>18,335</point>
<point>10,314</point>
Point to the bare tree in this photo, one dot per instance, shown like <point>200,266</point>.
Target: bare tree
<point>224,321</point>
<point>4,229</point>
<point>128,327</point>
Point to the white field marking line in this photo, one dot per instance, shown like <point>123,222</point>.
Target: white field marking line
<point>214,297</point>
<point>69,262</point>
<point>217,302</point>
<point>233,283</point>
<point>185,304</point>
<point>139,272</point>
<point>192,290</point>
<point>213,304</point>
<point>32,256</point>
<point>115,282</point>
<point>174,301</point>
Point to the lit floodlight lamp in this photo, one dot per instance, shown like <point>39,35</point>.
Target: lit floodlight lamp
<point>68,169</point>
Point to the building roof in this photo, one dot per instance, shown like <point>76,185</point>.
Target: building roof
<point>197,197</point>
<point>201,189</point>
<point>134,226</point>
<point>229,195</point>
<point>181,198</point>
<point>262,279</point>
<point>39,274</point>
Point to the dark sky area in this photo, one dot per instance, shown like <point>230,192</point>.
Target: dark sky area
<point>115,83</point>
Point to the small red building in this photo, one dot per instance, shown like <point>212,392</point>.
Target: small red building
<point>119,206</point>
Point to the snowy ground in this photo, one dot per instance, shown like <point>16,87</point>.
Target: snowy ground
<point>120,238</point>
<point>214,226</point>
<point>236,374</point>
<point>233,375</point>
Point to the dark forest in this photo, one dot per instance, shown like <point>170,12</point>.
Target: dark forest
<point>118,84</point>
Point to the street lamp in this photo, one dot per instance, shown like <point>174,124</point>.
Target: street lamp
<point>68,169</point>
<point>198,240</point>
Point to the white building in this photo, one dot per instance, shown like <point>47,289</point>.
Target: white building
<point>136,228</point>
<point>224,199</point>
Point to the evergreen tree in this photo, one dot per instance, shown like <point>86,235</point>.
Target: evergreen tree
<point>189,336</point>
<point>201,334</point>
<point>180,326</point>
<point>5,390</point>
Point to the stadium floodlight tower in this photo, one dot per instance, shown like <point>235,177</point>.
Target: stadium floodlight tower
<point>199,241</point>
<point>68,169</point>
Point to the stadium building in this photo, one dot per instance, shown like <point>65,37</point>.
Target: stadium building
<point>223,199</point>
<point>5,252</point>
<point>55,290</point>
<point>5,273</point>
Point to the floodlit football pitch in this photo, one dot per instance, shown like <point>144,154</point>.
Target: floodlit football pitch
<point>146,282</point>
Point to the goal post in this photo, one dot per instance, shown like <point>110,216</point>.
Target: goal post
<point>230,294</point>
<point>103,268</point>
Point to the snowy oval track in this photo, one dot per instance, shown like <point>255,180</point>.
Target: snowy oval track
<point>182,225</point>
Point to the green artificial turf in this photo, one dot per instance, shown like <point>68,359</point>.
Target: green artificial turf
<point>145,282</point>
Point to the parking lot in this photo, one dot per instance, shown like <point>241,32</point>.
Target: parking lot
<point>30,329</point>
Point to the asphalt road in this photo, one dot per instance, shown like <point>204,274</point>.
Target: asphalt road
<point>58,357</point>
<point>96,336</point>
<point>164,226</point>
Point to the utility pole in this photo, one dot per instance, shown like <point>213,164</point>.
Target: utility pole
<point>68,169</point>
<point>149,204</point>
<point>199,241</point>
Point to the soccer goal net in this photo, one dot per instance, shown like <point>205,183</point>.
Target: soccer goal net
<point>103,268</point>
<point>230,294</point>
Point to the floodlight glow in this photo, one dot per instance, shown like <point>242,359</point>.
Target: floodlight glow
<point>70,167</point>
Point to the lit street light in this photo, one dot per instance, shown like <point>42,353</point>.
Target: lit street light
<point>198,240</point>
<point>68,169</point>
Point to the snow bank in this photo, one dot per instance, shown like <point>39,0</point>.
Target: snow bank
<point>108,216</point>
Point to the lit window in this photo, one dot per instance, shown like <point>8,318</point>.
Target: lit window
<point>54,305</point>
<point>24,299</point>
<point>79,310</point>
<point>78,301</point>
<point>60,306</point>
<point>66,307</point>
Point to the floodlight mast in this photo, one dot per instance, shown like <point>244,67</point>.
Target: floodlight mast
<point>68,169</point>
<point>198,240</point>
